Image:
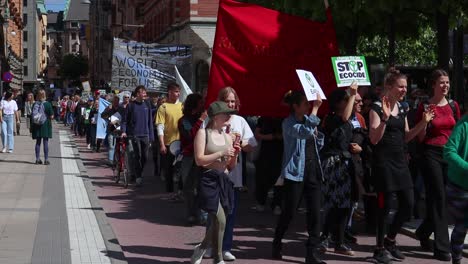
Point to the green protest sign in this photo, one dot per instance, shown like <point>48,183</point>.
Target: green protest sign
<point>350,69</point>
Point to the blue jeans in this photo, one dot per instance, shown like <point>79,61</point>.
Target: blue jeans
<point>111,141</point>
<point>7,132</point>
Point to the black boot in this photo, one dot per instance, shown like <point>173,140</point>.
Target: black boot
<point>313,257</point>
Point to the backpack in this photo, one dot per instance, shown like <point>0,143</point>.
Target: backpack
<point>38,114</point>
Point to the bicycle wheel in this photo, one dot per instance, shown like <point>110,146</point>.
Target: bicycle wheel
<point>116,167</point>
<point>125,173</point>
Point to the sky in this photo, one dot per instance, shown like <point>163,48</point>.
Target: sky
<point>55,5</point>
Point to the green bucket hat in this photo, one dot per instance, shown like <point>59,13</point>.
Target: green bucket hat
<point>220,107</point>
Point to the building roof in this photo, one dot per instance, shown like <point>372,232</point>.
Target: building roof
<point>76,11</point>
<point>41,7</point>
<point>52,18</point>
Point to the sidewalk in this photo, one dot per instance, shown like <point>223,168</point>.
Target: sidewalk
<point>151,229</point>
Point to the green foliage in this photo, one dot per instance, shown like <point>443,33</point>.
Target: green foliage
<point>73,66</point>
<point>419,49</point>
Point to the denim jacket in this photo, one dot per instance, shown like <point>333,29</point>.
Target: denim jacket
<point>295,135</point>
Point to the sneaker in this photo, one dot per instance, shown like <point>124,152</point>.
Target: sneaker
<point>46,162</point>
<point>442,256</point>
<point>38,161</point>
<point>228,256</point>
<point>312,257</point>
<point>344,250</point>
<point>4,150</point>
<point>208,253</point>
<point>277,210</point>
<point>218,262</point>
<point>197,255</point>
<point>381,256</point>
<point>139,181</point>
<point>456,261</point>
<point>324,244</point>
<point>392,248</point>
<point>260,208</point>
<point>10,151</point>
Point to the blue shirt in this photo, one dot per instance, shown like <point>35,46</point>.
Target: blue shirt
<point>138,120</point>
<point>295,135</point>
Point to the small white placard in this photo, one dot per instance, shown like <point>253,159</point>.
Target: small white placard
<point>310,85</point>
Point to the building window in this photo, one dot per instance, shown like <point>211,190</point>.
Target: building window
<point>25,19</point>
<point>25,70</point>
<point>25,53</point>
<point>74,24</point>
<point>25,3</point>
<point>73,36</point>
<point>25,36</point>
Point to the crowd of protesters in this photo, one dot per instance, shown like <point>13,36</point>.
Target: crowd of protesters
<point>374,148</point>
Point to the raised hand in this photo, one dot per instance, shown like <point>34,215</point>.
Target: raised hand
<point>353,88</point>
<point>318,102</point>
<point>386,108</point>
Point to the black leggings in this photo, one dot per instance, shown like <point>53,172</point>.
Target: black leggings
<point>405,205</point>
<point>335,222</point>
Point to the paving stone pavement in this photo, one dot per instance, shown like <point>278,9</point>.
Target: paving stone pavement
<point>34,225</point>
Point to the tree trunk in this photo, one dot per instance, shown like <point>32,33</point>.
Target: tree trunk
<point>391,41</point>
<point>443,50</point>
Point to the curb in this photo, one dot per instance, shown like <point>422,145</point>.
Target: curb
<point>115,252</point>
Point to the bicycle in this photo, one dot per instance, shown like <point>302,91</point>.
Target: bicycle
<point>120,166</point>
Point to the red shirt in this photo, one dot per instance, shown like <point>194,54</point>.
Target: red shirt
<point>440,128</point>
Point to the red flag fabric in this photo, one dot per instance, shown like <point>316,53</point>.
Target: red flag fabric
<point>257,51</point>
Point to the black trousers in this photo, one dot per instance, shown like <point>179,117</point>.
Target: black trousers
<point>267,171</point>
<point>139,154</point>
<point>167,161</point>
<point>435,179</point>
<point>310,191</point>
<point>405,200</point>
<point>156,155</point>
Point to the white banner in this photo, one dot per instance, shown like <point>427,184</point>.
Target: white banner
<point>152,65</point>
<point>184,88</point>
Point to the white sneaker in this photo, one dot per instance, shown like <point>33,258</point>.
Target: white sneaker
<point>89,146</point>
<point>277,210</point>
<point>197,255</point>
<point>4,150</point>
<point>10,151</point>
<point>228,256</point>
<point>260,208</point>
<point>220,262</point>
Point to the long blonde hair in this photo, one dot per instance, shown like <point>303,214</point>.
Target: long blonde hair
<point>224,93</point>
<point>41,95</point>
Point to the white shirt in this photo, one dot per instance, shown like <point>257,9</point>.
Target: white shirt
<point>9,107</point>
<point>239,125</point>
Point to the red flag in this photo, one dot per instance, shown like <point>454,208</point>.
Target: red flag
<point>257,51</point>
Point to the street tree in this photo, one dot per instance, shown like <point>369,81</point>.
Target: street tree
<point>74,66</point>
